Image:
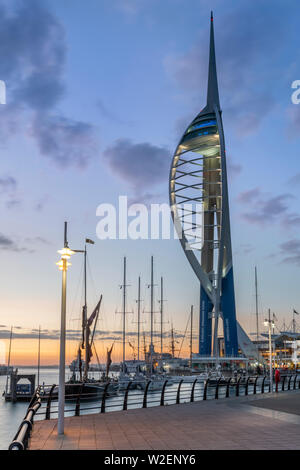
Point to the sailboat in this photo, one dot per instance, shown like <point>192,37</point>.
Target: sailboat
<point>89,386</point>
<point>156,377</point>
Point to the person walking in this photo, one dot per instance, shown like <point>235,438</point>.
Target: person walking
<point>277,378</point>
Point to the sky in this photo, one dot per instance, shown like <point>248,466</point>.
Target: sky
<point>98,95</point>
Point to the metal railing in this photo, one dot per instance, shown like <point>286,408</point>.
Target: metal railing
<point>44,403</point>
<point>20,441</point>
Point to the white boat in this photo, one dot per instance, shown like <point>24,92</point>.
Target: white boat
<point>190,378</point>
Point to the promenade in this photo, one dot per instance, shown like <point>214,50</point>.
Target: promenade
<point>253,422</point>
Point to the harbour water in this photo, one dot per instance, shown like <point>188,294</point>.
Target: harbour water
<point>11,414</point>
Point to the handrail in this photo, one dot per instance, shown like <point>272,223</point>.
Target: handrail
<point>237,392</point>
<point>227,387</point>
<point>180,392</point>
<point>126,396</point>
<point>247,384</point>
<point>77,409</point>
<point>205,389</point>
<point>20,441</point>
<point>162,397</point>
<point>193,390</point>
<point>217,388</point>
<point>104,398</point>
<point>255,383</point>
<point>263,385</point>
<point>146,393</point>
<point>49,402</point>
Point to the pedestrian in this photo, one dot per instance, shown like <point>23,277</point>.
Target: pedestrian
<point>277,378</point>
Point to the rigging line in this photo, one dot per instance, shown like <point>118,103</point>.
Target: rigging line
<point>97,357</point>
<point>183,338</point>
<point>91,278</point>
<point>76,292</point>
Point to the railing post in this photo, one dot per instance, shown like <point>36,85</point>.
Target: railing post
<point>77,408</point>
<point>104,398</point>
<point>217,389</point>
<point>237,392</point>
<point>246,386</point>
<point>146,393</point>
<point>162,397</point>
<point>48,408</point>
<point>283,382</point>
<point>193,390</point>
<point>205,389</point>
<point>294,387</point>
<point>178,392</point>
<point>227,387</point>
<point>263,385</point>
<point>126,396</point>
<point>255,383</point>
<point>289,384</point>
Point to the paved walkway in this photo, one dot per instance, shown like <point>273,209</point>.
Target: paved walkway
<point>237,423</point>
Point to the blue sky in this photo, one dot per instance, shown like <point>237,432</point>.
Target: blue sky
<point>81,76</point>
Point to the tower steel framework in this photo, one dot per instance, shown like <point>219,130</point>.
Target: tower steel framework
<point>198,192</point>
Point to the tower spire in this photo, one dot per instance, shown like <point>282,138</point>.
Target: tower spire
<point>212,87</point>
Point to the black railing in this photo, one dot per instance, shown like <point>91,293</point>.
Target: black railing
<point>44,403</point>
<point>20,441</point>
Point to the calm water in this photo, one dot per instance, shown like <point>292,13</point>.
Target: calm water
<point>11,414</point>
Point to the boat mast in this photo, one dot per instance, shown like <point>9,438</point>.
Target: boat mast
<point>172,342</point>
<point>139,317</point>
<point>39,357</point>
<point>8,361</point>
<point>161,315</point>
<point>151,313</point>
<point>84,322</point>
<point>256,306</point>
<point>124,312</point>
<point>191,338</point>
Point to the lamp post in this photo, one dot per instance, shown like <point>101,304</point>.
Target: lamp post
<point>63,266</point>
<point>270,324</point>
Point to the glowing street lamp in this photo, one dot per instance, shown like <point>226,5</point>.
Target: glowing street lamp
<point>270,324</point>
<point>63,265</point>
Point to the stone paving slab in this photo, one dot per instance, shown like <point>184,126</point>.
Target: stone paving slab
<point>237,423</point>
<point>280,402</point>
